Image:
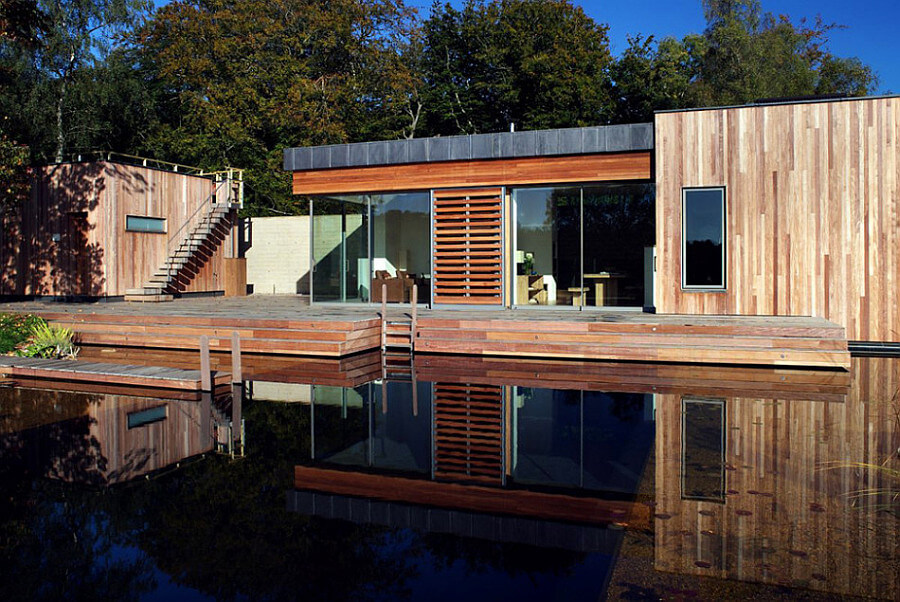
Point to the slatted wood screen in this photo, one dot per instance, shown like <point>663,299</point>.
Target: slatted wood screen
<point>468,246</point>
<point>468,434</point>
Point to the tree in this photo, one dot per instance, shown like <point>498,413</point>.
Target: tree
<point>263,75</point>
<point>742,56</point>
<point>535,63</point>
<point>61,85</point>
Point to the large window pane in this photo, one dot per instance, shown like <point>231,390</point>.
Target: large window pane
<point>340,249</point>
<point>400,242</point>
<point>704,238</point>
<point>619,222</point>
<point>548,246</point>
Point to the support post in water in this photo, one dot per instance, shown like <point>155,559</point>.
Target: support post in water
<point>237,398</point>
<point>236,376</point>
<point>415,314</point>
<point>205,373</point>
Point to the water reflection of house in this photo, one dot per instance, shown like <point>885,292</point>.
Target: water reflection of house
<point>103,439</point>
<point>747,487</point>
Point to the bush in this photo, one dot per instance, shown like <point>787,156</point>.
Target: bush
<point>50,342</point>
<point>15,329</point>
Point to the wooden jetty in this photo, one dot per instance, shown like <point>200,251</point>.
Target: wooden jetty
<point>284,325</point>
<point>75,371</point>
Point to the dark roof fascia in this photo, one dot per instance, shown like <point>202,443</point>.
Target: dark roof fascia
<point>504,145</point>
<point>777,103</point>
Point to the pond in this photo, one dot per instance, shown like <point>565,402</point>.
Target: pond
<point>469,478</point>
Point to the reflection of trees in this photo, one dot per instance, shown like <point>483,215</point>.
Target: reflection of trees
<point>619,221</point>
<point>54,537</point>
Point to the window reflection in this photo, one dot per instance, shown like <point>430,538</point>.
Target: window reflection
<point>703,449</point>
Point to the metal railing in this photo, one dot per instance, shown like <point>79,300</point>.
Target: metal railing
<point>180,240</point>
<point>230,172</point>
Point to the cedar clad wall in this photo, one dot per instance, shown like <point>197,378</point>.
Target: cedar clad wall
<point>74,240</point>
<point>812,210</point>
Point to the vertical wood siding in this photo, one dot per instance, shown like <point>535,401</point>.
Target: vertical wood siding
<point>812,210</point>
<point>789,513</point>
<point>116,259</point>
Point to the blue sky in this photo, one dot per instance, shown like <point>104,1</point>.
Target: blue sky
<point>871,33</point>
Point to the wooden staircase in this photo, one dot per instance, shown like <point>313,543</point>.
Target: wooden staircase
<point>198,236</point>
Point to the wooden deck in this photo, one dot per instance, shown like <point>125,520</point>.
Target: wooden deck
<point>285,325</point>
<point>75,371</point>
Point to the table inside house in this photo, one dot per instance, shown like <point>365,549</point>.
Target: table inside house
<point>606,287</point>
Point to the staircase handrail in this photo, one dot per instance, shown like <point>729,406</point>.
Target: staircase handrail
<point>233,173</point>
<point>178,236</point>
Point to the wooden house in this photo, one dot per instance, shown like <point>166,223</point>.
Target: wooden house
<point>122,227</point>
<point>771,209</point>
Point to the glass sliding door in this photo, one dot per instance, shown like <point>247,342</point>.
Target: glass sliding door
<point>401,248</point>
<point>547,253</point>
<point>582,245</point>
<point>340,233</point>
<point>619,222</point>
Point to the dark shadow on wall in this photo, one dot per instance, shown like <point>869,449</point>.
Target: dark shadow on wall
<point>49,246</point>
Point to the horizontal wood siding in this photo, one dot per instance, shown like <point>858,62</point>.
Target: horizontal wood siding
<point>812,210</point>
<point>491,172</point>
<point>112,258</point>
<point>468,246</point>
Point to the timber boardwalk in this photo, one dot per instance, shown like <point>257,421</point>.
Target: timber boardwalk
<point>110,374</point>
<point>285,325</point>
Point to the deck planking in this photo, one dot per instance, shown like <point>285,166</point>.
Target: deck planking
<point>157,377</point>
<point>288,326</point>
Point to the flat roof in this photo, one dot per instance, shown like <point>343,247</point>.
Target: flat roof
<point>503,145</point>
<point>771,102</point>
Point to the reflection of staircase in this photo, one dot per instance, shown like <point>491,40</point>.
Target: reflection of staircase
<point>194,243</point>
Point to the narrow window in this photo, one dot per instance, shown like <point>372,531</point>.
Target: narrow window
<point>703,251</point>
<point>148,416</point>
<point>143,223</point>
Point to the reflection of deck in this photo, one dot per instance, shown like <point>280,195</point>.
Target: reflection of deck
<point>286,326</point>
<point>476,498</point>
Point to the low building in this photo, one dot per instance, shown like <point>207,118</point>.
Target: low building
<point>783,208</point>
<point>116,226</point>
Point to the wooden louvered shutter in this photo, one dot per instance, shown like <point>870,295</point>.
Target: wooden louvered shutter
<point>468,433</point>
<point>468,246</point>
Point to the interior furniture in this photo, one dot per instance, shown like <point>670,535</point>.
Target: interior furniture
<point>530,289</point>
<point>606,287</point>
<point>398,287</point>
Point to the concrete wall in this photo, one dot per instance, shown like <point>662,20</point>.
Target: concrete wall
<point>278,256</point>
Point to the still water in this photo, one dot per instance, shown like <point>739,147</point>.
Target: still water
<point>479,479</point>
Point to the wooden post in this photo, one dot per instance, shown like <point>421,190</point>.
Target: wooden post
<point>383,316</point>
<point>237,398</point>
<point>415,313</point>
<point>205,373</point>
<point>236,375</point>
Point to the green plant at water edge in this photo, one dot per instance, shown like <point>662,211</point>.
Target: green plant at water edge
<point>15,329</point>
<point>50,342</point>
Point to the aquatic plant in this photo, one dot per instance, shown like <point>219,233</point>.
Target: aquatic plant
<point>49,341</point>
<point>15,329</point>
<point>887,473</point>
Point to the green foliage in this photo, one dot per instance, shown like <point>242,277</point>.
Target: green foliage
<point>14,174</point>
<point>15,330</point>
<point>49,341</point>
<point>538,64</point>
<point>245,80</point>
